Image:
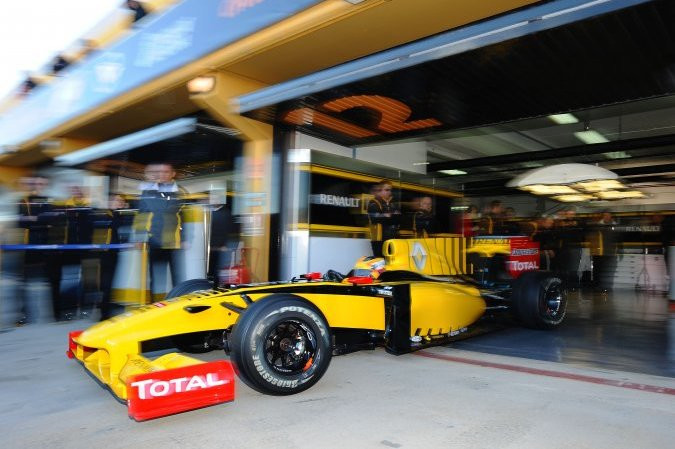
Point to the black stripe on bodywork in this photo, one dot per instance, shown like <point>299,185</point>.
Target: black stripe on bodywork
<point>397,335</point>
<point>330,289</point>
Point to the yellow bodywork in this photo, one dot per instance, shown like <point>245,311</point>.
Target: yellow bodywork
<point>438,308</point>
<point>111,350</point>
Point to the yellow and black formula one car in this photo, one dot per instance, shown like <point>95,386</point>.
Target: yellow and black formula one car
<point>281,335</point>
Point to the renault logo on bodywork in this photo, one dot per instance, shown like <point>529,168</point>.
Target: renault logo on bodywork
<point>419,256</point>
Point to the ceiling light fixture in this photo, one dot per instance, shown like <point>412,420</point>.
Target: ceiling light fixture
<point>600,185</point>
<point>590,136</point>
<point>620,194</point>
<point>574,198</point>
<point>616,155</point>
<point>542,189</point>
<point>563,119</point>
<point>201,84</point>
<point>453,172</point>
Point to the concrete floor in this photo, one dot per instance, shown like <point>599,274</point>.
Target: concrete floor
<point>459,396</point>
<point>625,330</point>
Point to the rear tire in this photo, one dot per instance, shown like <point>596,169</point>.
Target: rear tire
<point>196,342</point>
<point>189,286</point>
<point>281,345</point>
<point>538,300</point>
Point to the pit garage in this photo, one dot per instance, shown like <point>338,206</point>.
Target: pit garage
<point>457,117</point>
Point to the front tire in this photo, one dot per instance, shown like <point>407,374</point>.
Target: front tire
<point>538,300</point>
<point>281,345</point>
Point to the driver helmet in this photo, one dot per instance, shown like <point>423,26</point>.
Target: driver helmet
<point>369,266</point>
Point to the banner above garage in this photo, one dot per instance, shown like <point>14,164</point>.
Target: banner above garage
<point>184,33</point>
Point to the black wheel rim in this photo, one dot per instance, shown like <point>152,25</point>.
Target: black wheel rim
<point>290,347</point>
<point>553,301</point>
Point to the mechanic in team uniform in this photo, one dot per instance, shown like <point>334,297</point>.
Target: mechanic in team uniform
<point>158,221</point>
<point>77,210</point>
<point>384,216</point>
<point>41,225</point>
<point>109,226</point>
<point>424,222</point>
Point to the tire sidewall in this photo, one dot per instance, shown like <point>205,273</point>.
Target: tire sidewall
<point>545,285</point>
<point>249,345</point>
<point>529,296</point>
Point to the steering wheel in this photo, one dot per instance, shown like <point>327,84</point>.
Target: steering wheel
<point>335,276</point>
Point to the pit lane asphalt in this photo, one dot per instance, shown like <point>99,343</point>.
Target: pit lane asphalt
<point>368,399</point>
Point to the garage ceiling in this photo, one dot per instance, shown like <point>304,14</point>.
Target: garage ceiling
<point>615,72</point>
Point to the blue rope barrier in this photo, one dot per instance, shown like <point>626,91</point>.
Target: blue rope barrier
<point>66,247</point>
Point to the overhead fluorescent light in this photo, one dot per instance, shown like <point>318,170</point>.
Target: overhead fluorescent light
<point>130,141</point>
<point>590,136</point>
<point>600,185</point>
<point>563,119</point>
<point>620,194</point>
<point>453,172</point>
<point>616,155</point>
<point>573,198</point>
<point>543,189</point>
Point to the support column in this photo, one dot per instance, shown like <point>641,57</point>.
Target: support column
<point>217,98</point>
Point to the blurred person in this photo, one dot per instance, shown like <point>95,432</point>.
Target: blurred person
<point>108,224</point>
<point>570,235</point>
<point>470,225</point>
<point>511,226</point>
<point>137,8</point>
<point>492,221</point>
<point>78,231</point>
<point>36,217</point>
<point>604,257</point>
<point>668,242</point>
<point>384,216</point>
<point>544,233</point>
<point>26,86</point>
<point>424,221</point>
<point>223,241</point>
<point>59,63</point>
<point>158,222</point>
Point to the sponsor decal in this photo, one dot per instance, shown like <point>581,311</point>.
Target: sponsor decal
<point>636,228</point>
<point>334,200</point>
<point>232,8</point>
<point>270,378</point>
<point>151,388</point>
<point>457,332</point>
<point>160,393</point>
<point>491,241</point>
<point>524,251</point>
<point>394,116</point>
<point>419,256</point>
<point>162,45</point>
<point>159,304</point>
<point>514,265</point>
<point>109,70</point>
<point>385,291</point>
<point>524,256</point>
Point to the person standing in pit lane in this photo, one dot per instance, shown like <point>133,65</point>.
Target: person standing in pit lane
<point>384,216</point>
<point>424,221</point>
<point>158,221</point>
